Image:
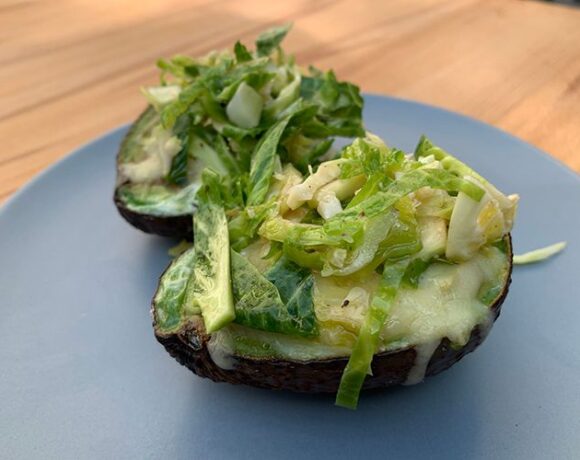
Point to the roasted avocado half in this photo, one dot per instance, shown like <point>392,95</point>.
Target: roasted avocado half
<point>376,269</point>
<point>153,206</point>
<point>215,112</point>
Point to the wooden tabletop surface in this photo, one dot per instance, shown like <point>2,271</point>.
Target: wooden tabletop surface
<point>71,70</point>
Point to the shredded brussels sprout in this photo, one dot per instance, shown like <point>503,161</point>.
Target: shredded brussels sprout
<point>539,255</point>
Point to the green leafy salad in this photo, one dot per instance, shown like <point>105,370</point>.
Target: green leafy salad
<point>370,252</point>
<point>215,112</point>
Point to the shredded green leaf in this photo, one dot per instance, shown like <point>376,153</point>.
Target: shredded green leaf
<point>425,148</point>
<point>286,307</point>
<point>263,163</point>
<point>381,202</point>
<point>271,39</point>
<point>539,255</point>
<point>179,248</point>
<point>223,105</point>
<point>359,363</point>
<point>242,53</point>
<point>178,172</point>
<point>414,271</point>
<point>170,295</point>
<point>210,286</point>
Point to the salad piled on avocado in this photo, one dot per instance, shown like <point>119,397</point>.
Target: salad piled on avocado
<point>216,112</point>
<point>372,269</point>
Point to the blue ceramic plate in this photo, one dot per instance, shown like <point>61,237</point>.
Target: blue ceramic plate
<point>81,375</point>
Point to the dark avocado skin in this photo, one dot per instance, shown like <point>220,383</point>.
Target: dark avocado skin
<point>189,348</point>
<point>178,227</point>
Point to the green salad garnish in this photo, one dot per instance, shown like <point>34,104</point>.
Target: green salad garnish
<point>227,111</point>
<point>373,223</point>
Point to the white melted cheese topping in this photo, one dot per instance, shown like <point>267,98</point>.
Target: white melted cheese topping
<point>424,353</point>
<point>445,304</point>
<point>220,348</point>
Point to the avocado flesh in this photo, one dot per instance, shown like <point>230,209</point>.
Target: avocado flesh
<point>240,355</point>
<point>157,207</point>
<point>131,150</point>
<point>158,199</point>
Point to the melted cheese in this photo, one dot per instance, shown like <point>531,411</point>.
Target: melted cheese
<point>424,353</point>
<point>220,348</point>
<point>445,304</point>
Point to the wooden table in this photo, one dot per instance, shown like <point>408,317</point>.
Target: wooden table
<point>71,70</point>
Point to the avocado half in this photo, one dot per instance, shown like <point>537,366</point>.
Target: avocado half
<point>189,346</point>
<point>169,224</point>
<point>179,227</point>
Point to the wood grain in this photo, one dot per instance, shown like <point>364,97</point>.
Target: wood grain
<point>71,70</point>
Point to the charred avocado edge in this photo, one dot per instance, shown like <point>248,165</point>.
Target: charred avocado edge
<point>189,346</point>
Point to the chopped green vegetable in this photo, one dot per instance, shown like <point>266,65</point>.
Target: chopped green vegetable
<point>179,248</point>
<point>160,96</point>
<point>433,231</point>
<point>263,162</point>
<point>507,205</point>
<point>210,287</point>
<point>414,271</point>
<point>539,255</point>
<point>268,41</point>
<point>403,240</point>
<point>426,148</point>
<point>178,173</point>
<point>244,227</point>
<point>212,151</point>
<point>375,232</point>
<point>340,105</point>
<point>408,183</point>
<point>171,292</point>
<point>218,110</point>
<point>294,284</point>
<point>287,96</point>
<point>344,229</point>
<point>369,155</point>
<point>260,305</point>
<point>359,363</point>
<point>171,112</point>
<point>242,53</point>
<point>245,108</point>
